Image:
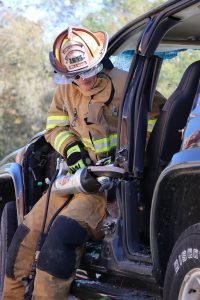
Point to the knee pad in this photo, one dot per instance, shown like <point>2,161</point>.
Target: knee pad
<point>13,249</point>
<point>58,256</point>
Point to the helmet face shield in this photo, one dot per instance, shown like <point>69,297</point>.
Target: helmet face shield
<point>78,51</point>
<point>60,78</point>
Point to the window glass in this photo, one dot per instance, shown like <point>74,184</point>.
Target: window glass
<point>122,57</point>
<point>123,60</point>
<point>173,68</point>
<point>180,47</point>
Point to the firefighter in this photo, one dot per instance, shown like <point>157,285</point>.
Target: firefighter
<point>82,127</point>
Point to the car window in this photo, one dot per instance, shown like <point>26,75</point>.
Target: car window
<point>179,48</point>
<point>173,67</point>
<point>123,55</point>
<point>123,60</point>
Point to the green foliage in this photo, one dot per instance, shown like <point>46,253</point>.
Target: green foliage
<point>25,82</point>
<point>116,13</point>
<point>172,71</point>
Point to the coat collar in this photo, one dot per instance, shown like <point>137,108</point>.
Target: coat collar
<point>101,84</point>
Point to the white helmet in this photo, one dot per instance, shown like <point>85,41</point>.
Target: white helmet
<point>78,52</point>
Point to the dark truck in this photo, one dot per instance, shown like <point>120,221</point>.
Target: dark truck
<point>151,248</point>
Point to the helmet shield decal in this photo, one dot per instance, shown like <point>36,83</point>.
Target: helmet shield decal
<point>74,56</point>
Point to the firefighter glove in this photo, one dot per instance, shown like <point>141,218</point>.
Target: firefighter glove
<point>77,157</point>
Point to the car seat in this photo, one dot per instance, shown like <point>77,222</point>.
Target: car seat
<point>166,136</point>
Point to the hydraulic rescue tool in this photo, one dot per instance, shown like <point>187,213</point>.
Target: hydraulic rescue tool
<point>88,180</point>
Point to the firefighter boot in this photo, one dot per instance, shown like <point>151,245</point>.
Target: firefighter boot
<point>22,249</point>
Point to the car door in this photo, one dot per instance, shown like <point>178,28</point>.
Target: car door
<point>137,102</point>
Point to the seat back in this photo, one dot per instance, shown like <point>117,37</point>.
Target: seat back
<point>166,136</point>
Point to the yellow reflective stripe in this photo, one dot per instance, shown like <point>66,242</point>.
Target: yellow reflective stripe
<point>61,138</point>
<point>87,143</point>
<point>151,124</point>
<point>105,144</point>
<point>79,165</point>
<point>73,149</point>
<point>58,118</point>
<point>101,145</point>
<point>57,121</point>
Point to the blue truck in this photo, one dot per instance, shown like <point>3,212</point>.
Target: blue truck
<point>151,244</point>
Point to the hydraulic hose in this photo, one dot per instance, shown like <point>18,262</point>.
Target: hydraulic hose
<point>29,281</point>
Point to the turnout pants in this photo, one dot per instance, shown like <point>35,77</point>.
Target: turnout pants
<point>61,251</point>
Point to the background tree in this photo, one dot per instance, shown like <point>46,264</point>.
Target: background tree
<point>116,13</point>
<point>25,81</point>
<point>173,69</point>
<point>27,30</point>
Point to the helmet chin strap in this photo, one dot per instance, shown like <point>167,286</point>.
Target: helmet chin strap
<point>95,81</point>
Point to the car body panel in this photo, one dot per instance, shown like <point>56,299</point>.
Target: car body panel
<point>11,174</point>
<point>184,168</point>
